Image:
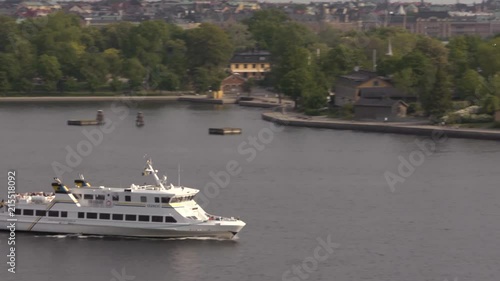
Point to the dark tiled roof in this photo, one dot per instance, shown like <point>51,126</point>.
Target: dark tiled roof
<point>252,57</point>
<point>381,92</point>
<point>357,77</point>
<point>377,102</point>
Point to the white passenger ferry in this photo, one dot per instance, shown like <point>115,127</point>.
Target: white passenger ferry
<point>160,211</point>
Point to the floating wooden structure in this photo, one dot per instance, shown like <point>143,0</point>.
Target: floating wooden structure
<point>83,122</point>
<point>139,122</point>
<point>224,131</point>
<point>98,121</point>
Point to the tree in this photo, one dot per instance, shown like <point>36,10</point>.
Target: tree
<point>422,77</point>
<point>340,60</point>
<point>405,80</point>
<point>50,70</point>
<point>94,70</point>
<point>315,98</point>
<point>169,81</point>
<point>265,25</point>
<point>489,57</point>
<point>208,46</point>
<point>458,56</point>
<point>117,36</point>
<point>175,57</point>
<point>10,66</point>
<point>432,49</point>
<point>8,33</point>
<point>206,79</point>
<point>438,101</point>
<point>135,72</point>
<point>295,83</point>
<point>490,104</point>
<point>113,60</point>
<point>330,36</point>
<point>471,86</point>
<point>240,36</point>
<point>161,78</point>
<point>4,82</point>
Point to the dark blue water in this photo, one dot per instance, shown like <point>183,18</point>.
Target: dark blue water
<point>303,186</point>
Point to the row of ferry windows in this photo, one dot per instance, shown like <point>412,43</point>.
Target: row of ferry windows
<point>102,216</point>
<point>119,217</point>
<point>143,199</point>
<point>41,213</point>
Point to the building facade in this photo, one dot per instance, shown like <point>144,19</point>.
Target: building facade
<point>254,64</point>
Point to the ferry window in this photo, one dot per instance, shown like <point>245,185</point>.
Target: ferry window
<point>144,199</point>
<point>91,215</point>
<point>157,199</point>
<point>41,213</point>
<point>104,216</point>
<point>170,219</point>
<point>53,213</point>
<point>117,217</point>
<point>130,217</point>
<point>28,212</point>
<point>115,197</point>
<point>165,200</point>
<point>81,215</point>
<point>143,218</point>
<point>99,197</point>
<point>64,214</point>
<point>127,198</point>
<point>88,196</point>
<point>17,212</point>
<point>157,219</point>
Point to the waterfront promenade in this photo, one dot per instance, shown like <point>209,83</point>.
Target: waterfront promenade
<point>408,128</point>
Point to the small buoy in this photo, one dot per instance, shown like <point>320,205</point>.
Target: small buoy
<point>100,117</point>
<point>139,122</point>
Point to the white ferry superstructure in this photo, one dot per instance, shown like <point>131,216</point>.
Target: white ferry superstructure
<point>156,211</point>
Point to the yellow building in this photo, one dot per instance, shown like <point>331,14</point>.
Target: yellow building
<point>252,64</point>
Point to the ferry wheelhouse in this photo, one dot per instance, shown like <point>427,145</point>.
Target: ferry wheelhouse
<point>161,211</point>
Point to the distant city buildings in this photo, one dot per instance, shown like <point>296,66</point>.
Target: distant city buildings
<point>440,21</point>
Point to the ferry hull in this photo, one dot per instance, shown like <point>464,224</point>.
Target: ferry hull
<point>181,231</point>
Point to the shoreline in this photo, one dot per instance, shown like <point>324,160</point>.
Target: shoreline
<point>374,127</point>
<point>261,102</point>
<point>87,98</point>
